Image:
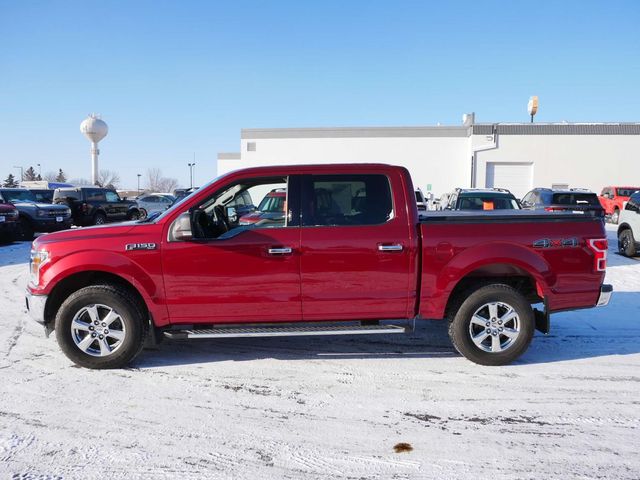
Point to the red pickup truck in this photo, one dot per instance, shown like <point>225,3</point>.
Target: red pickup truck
<point>613,200</point>
<point>350,252</point>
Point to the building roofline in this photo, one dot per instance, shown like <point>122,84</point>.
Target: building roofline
<point>228,155</point>
<point>355,132</point>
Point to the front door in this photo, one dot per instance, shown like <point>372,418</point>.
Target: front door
<point>356,258</point>
<point>247,270</point>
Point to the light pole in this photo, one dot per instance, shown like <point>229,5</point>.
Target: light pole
<point>191,165</point>
<point>39,169</point>
<point>139,182</point>
<point>21,172</point>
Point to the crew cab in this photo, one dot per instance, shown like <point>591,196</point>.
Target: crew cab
<point>96,205</point>
<point>349,252</point>
<point>613,200</point>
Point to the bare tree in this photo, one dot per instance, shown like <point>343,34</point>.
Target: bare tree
<point>155,182</point>
<point>50,176</point>
<point>108,178</point>
<point>80,181</point>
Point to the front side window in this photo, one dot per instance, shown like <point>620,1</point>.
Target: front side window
<point>346,200</point>
<point>221,216</point>
<point>112,196</point>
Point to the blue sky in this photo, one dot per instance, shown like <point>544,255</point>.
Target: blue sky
<point>182,77</point>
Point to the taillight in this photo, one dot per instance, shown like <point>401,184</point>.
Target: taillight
<point>553,209</point>
<point>599,248</point>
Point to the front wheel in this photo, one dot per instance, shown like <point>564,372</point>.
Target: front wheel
<point>25,230</point>
<point>615,216</point>
<point>493,326</point>
<point>626,243</point>
<point>100,219</point>
<point>101,326</point>
<point>134,215</point>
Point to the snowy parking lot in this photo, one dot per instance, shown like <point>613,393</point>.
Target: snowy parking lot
<point>327,407</point>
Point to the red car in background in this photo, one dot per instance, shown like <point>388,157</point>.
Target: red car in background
<point>8,222</point>
<point>613,200</point>
<point>271,208</point>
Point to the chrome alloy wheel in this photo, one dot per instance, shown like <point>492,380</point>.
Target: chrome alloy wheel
<point>494,327</point>
<point>98,330</point>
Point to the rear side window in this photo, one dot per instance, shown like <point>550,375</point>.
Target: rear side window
<point>347,200</point>
<point>575,199</point>
<point>627,192</point>
<point>95,195</point>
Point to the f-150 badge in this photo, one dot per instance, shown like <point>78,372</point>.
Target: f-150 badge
<point>140,246</point>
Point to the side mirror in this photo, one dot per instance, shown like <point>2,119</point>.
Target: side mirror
<point>232,215</point>
<point>180,230</point>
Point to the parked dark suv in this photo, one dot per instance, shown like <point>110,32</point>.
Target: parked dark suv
<point>95,205</point>
<point>35,216</point>
<point>561,200</point>
<point>481,199</point>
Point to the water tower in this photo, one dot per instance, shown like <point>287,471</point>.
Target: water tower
<point>95,130</point>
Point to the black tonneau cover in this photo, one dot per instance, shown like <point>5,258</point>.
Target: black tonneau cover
<point>503,216</point>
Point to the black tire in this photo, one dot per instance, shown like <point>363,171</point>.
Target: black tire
<point>130,323</point>
<point>24,231</point>
<point>461,327</point>
<point>99,219</point>
<point>626,243</point>
<point>134,215</point>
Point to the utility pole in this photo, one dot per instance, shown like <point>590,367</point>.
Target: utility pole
<point>139,182</point>
<point>191,165</point>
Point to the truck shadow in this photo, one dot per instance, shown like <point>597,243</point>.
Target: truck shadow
<point>613,330</point>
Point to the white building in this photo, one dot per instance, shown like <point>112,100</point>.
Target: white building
<point>514,156</point>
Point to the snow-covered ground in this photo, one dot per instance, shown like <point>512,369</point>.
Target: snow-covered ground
<point>327,407</point>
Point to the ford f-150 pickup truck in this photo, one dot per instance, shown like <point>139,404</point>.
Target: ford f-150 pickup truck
<point>349,252</point>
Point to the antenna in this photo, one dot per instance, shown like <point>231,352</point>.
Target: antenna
<point>95,129</point>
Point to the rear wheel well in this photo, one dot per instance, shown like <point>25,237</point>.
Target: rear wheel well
<point>75,282</point>
<point>505,274</point>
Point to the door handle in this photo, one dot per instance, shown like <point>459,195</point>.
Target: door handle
<point>280,251</point>
<point>390,248</point>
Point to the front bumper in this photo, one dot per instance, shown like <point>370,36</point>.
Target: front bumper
<point>35,306</point>
<point>605,295</point>
<point>50,225</point>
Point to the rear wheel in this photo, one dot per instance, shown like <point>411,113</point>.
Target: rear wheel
<point>100,219</point>
<point>626,243</point>
<point>101,326</point>
<point>493,325</point>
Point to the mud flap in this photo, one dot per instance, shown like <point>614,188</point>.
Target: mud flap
<point>543,322</point>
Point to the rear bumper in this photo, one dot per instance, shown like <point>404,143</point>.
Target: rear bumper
<point>605,295</point>
<point>35,306</point>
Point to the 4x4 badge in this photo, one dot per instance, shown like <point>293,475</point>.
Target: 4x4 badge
<point>140,246</point>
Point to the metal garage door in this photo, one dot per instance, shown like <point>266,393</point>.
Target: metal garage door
<point>517,177</point>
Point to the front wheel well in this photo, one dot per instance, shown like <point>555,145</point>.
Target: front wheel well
<point>75,282</point>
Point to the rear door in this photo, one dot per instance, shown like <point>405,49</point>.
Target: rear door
<point>355,251</point>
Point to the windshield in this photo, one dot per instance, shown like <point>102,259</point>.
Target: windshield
<point>18,196</point>
<point>272,204</point>
<point>487,202</point>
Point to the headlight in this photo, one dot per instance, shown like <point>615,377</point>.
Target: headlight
<point>13,214</point>
<point>38,258</point>
<point>41,213</point>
